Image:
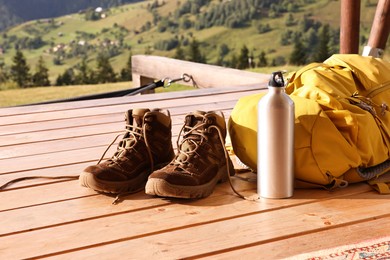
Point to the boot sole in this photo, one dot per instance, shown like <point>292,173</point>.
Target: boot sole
<point>162,188</point>
<point>90,181</point>
<point>136,184</point>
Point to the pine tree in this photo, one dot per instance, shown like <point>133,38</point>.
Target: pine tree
<point>126,73</point>
<point>105,72</point>
<point>298,55</point>
<point>59,81</point>
<point>262,60</point>
<point>194,52</point>
<point>179,54</point>
<point>41,75</point>
<point>243,59</point>
<point>323,50</point>
<point>83,77</point>
<point>234,62</point>
<point>290,21</point>
<point>4,73</point>
<point>66,78</point>
<point>20,71</point>
<point>223,50</point>
<point>311,38</point>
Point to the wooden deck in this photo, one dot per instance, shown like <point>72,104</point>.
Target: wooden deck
<point>61,219</point>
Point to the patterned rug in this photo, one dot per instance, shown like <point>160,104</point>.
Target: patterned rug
<point>378,249</point>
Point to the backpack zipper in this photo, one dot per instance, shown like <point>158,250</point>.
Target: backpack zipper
<point>378,90</point>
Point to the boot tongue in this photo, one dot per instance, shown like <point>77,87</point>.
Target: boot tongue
<point>193,120</point>
<point>198,117</point>
<point>134,118</point>
<point>137,115</point>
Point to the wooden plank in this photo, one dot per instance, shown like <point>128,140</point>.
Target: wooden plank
<point>31,218</point>
<point>63,123</point>
<point>65,139</point>
<point>10,199</point>
<point>57,145</point>
<point>189,223</point>
<point>205,76</point>
<point>46,135</point>
<point>66,142</point>
<point>108,102</point>
<point>43,194</point>
<point>8,166</point>
<point>85,208</point>
<point>308,244</point>
<point>71,169</point>
<point>51,218</point>
<point>196,102</point>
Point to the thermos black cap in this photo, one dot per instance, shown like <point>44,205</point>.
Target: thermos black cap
<point>276,79</point>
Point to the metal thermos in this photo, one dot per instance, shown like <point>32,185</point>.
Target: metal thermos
<point>275,141</point>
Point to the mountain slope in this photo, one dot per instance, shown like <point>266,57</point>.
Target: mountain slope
<point>153,27</point>
<point>15,11</point>
<point>7,17</point>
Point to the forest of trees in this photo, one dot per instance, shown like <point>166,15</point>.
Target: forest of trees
<point>20,73</point>
<point>16,11</point>
<point>310,41</point>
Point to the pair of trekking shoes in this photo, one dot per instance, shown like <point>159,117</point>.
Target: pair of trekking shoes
<point>145,158</point>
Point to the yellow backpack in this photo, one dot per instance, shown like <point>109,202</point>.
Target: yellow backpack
<point>342,123</point>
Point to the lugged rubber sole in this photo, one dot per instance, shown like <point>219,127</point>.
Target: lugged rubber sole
<point>162,188</point>
<point>88,180</point>
<point>136,184</point>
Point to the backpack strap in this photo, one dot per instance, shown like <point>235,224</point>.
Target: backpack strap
<point>378,176</point>
<point>298,74</point>
<point>381,183</point>
<point>333,184</point>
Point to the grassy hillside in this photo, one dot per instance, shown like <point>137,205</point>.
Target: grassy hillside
<point>14,97</point>
<point>122,31</point>
<point>64,30</point>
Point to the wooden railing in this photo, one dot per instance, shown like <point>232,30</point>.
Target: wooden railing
<point>146,69</point>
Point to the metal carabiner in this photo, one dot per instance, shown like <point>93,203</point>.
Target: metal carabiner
<point>185,77</point>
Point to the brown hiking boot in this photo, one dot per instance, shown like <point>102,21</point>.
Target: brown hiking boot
<point>201,160</point>
<point>145,146</point>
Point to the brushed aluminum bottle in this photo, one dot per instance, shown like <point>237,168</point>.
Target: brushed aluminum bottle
<point>275,141</point>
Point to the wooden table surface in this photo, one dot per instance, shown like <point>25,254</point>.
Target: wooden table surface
<point>61,219</point>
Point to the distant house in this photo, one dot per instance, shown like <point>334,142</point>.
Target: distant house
<point>59,47</point>
<point>100,13</point>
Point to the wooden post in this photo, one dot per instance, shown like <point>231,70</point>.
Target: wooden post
<point>349,26</point>
<point>379,31</point>
<point>140,80</point>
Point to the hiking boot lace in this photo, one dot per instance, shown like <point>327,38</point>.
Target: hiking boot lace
<point>135,134</point>
<point>189,137</point>
<point>70,177</point>
<point>196,136</point>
